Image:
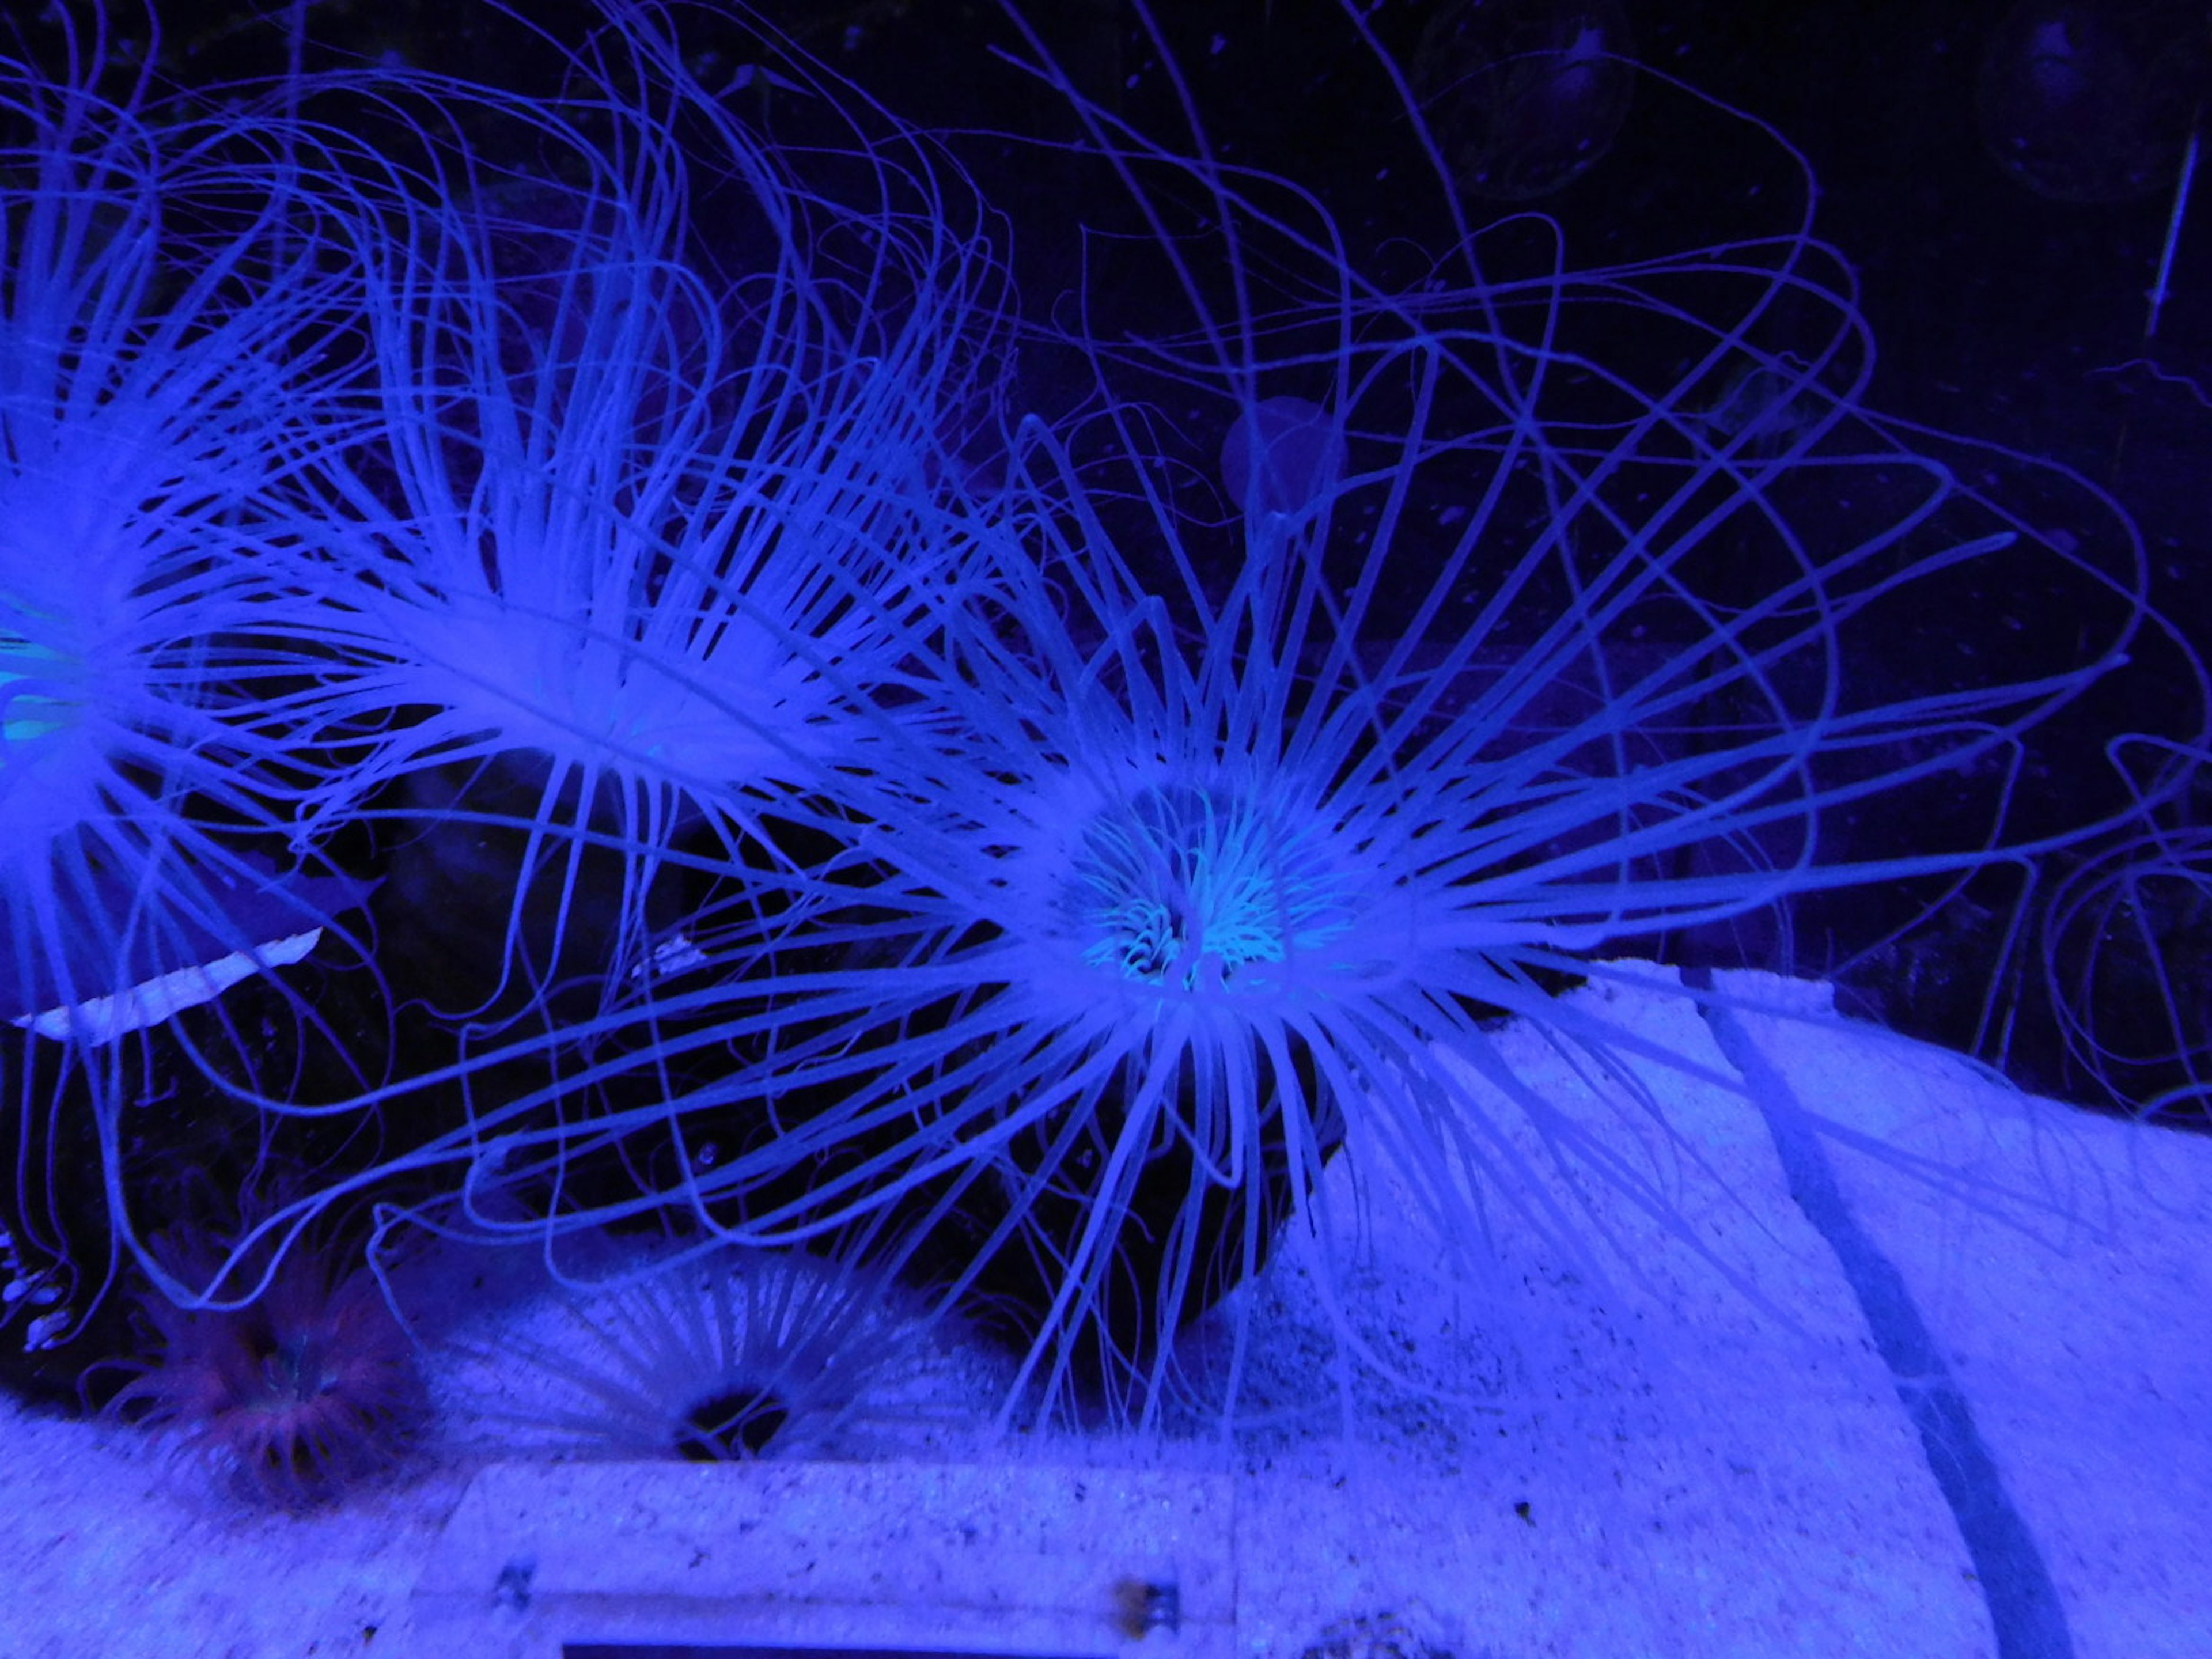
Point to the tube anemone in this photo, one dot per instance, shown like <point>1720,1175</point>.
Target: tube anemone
<point>167,310</point>
<point>633,543</point>
<point>149,437</point>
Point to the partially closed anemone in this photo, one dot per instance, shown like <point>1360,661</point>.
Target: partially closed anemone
<point>706,1354</point>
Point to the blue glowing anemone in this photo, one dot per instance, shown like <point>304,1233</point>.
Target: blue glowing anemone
<point>164,304</point>
<point>153,415</point>
<point>631,541</point>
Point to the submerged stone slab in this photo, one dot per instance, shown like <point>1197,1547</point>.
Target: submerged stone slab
<point>1062,1564</point>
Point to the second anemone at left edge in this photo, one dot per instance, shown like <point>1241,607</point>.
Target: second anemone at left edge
<point>169,373</point>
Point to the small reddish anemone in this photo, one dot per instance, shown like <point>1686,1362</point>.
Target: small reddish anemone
<point>291,1398</point>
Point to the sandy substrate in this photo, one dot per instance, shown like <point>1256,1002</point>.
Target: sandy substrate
<point>1650,1459</point>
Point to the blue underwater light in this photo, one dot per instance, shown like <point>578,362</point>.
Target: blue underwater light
<point>1009,828</point>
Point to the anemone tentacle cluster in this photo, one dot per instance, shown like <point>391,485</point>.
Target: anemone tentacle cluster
<point>168,281</point>
<point>577,623</point>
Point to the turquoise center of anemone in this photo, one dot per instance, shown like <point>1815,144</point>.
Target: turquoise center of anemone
<point>24,715</point>
<point>1181,884</point>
